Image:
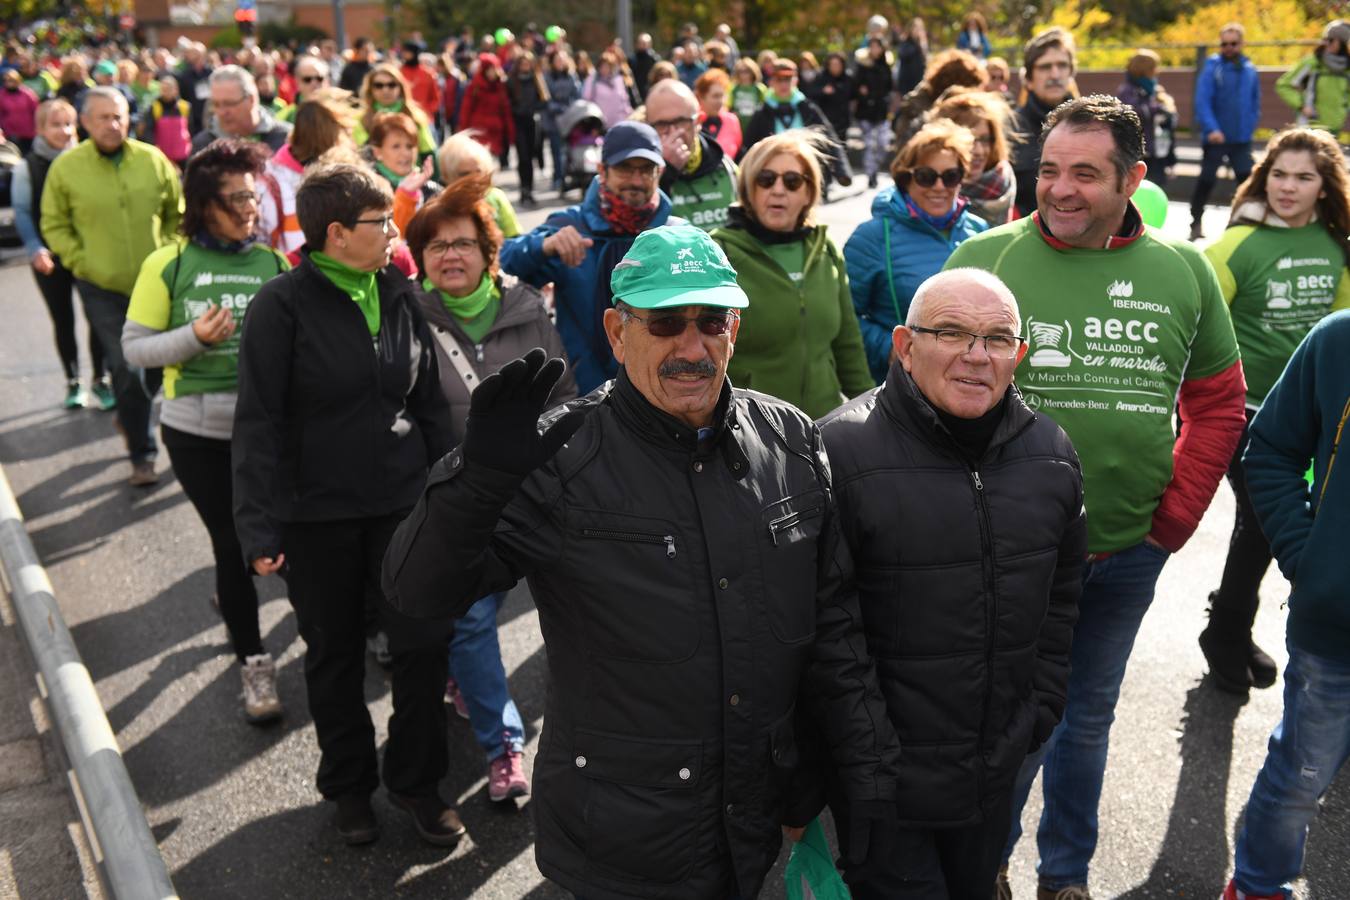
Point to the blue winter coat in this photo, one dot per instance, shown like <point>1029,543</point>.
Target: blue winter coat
<point>1228,99</point>
<point>882,287</point>
<point>581,294</point>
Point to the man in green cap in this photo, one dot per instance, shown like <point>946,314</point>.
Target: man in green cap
<point>680,541</point>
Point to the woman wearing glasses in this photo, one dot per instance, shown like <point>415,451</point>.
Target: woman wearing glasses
<point>915,226</point>
<point>799,339</point>
<point>480,320</point>
<point>385,91</point>
<point>184,315</point>
<point>990,186</point>
<point>339,416</point>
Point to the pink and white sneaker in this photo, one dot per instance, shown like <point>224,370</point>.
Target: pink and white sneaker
<point>452,695</point>
<point>506,777</point>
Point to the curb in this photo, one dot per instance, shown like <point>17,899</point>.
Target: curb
<point>123,845</point>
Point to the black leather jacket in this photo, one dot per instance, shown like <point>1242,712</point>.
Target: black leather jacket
<point>689,594</point>
<point>969,573</point>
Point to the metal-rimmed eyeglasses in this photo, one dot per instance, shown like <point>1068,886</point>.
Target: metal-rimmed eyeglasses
<point>998,346</point>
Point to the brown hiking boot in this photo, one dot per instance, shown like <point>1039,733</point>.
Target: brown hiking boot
<point>437,823</point>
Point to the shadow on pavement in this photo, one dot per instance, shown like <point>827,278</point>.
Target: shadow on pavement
<point>303,857</point>
<point>37,434</point>
<point>1193,858</point>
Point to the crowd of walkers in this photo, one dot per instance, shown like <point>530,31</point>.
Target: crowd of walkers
<point>876,534</point>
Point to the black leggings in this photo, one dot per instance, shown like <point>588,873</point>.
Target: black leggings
<point>1235,603</point>
<point>203,468</point>
<point>58,290</point>
<point>525,153</point>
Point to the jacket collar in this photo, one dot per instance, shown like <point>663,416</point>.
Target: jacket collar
<point>901,400</point>
<point>390,280</point>
<point>637,413</point>
<point>515,310</point>
<point>1131,230</point>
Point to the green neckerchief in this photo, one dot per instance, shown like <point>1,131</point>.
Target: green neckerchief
<point>476,311</point>
<point>389,174</point>
<point>358,285</point>
<point>391,108</point>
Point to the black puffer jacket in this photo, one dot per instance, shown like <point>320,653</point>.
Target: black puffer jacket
<point>969,576</point>
<point>687,594</point>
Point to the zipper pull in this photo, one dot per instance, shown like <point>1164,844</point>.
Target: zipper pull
<point>979,485</point>
<point>670,546</point>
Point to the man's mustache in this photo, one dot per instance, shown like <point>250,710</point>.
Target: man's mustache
<point>675,367</point>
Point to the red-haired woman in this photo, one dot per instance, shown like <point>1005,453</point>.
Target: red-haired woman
<point>480,320</point>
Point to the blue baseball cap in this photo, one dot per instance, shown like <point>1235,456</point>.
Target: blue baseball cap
<point>631,140</point>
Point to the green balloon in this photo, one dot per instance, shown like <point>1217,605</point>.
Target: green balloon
<point>503,36</point>
<point>1152,203</point>
<point>552,33</point>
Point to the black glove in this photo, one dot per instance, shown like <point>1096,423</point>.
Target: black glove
<point>868,826</point>
<point>504,414</point>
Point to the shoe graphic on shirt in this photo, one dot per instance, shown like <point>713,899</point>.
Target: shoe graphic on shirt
<point>1046,339</point>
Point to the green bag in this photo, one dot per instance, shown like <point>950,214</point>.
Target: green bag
<point>810,873</point>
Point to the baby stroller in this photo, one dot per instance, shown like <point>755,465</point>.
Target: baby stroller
<point>582,126</point>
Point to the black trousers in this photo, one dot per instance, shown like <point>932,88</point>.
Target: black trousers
<point>1235,603</point>
<point>933,863</point>
<point>106,312</point>
<point>330,569</point>
<point>525,152</point>
<point>202,466</point>
<point>58,292</point>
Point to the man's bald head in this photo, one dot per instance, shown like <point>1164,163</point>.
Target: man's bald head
<point>959,282</point>
<point>670,96</point>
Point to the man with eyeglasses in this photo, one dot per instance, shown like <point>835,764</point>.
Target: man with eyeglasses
<point>963,512</point>
<point>108,204</point>
<point>578,247</point>
<point>681,542</point>
<point>1227,107</point>
<point>1126,328</point>
<point>698,177</point>
<point>311,75</point>
<point>1048,65</point>
<point>237,112</point>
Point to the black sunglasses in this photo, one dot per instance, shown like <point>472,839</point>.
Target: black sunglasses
<point>926,176</point>
<point>714,324</point>
<point>383,85</point>
<point>310,79</point>
<point>767,178</point>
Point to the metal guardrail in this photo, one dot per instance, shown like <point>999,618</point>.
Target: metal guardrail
<point>131,864</point>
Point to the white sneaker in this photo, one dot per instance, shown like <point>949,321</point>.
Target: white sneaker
<point>259,675</point>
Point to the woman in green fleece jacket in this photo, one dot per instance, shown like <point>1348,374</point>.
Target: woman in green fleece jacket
<point>799,339</point>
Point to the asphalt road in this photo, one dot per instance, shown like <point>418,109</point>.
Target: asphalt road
<point>234,807</point>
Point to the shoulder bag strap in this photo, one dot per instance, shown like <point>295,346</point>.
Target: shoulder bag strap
<point>458,359</point>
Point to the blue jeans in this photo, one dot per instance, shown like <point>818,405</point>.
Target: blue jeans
<point>1307,748</point>
<point>1117,591</point>
<point>476,666</point>
<point>1239,156</point>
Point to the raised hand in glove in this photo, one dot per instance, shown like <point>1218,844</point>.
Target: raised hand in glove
<point>504,412</point>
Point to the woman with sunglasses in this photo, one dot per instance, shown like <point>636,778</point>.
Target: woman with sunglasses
<point>799,339</point>
<point>480,320</point>
<point>340,414</point>
<point>915,226</point>
<point>184,316</point>
<point>385,91</point>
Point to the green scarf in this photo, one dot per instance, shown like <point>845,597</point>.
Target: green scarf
<point>389,174</point>
<point>391,108</point>
<point>476,311</point>
<point>358,285</point>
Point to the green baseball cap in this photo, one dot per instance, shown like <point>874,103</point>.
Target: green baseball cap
<point>676,265</point>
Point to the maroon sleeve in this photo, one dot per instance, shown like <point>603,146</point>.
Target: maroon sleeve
<point>1212,419</point>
